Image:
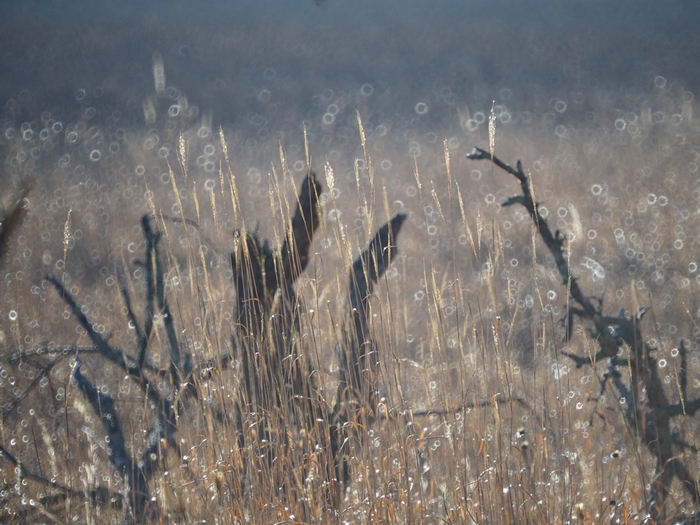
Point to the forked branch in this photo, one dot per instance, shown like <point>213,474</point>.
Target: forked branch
<point>136,472</point>
<point>650,421</point>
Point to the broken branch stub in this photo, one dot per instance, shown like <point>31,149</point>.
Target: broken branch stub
<point>355,400</point>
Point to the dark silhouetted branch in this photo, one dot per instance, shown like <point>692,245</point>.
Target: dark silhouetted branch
<point>297,243</point>
<point>103,405</point>
<point>464,406</point>
<point>156,287</point>
<point>99,494</point>
<point>101,345</point>
<point>164,427</point>
<point>358,359</point>
<point>649,420</point>
<point>64,350</point>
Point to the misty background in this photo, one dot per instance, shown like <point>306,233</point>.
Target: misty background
<point>596,98</point>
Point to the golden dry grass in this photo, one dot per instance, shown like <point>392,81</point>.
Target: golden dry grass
<point>486,421</point>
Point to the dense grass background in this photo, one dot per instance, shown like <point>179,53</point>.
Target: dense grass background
<point>467,320</point>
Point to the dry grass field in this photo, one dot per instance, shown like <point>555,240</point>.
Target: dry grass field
<point>144,378</point>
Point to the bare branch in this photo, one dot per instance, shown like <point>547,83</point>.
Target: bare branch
<point>649,421</point>
<point>104,348</point>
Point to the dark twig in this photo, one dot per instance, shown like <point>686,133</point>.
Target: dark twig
<point>103,405</point>
<point>141,336</point>
<point>464,406</point>
<point>187,222</point>
<point>683,372</point>
<point>98,494</point>
<point>156,289</point>
<point>611,331</point>
<point>12,405</point>
<point>149,265</point>
<point>63,350</point>
<point>660,414</point>
<point>101,345</point>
